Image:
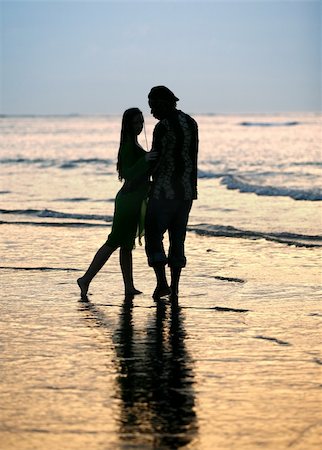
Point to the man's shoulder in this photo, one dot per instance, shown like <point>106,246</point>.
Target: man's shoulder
<point>160,127</point>
<point>187,121</point>
<point>166,124</point>
<point>187,117</point>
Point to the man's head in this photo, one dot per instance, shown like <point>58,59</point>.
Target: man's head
<point>161,101</point>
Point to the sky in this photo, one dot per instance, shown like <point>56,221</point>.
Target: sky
<point>101,57</point>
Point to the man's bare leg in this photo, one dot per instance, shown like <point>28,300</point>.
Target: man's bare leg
<point>162,289</point>
<point>175,278</point>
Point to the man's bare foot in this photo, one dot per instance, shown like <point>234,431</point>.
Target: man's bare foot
<point>174,298</point>
<point>174,295</point>
<point>132,292</point>
<point>83,287</point>
<point>161,291</point>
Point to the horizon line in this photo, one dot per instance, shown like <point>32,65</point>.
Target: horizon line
<point>4,115</point>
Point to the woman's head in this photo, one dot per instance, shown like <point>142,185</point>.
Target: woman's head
<point>132,123</point>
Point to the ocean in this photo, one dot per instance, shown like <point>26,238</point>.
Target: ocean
<point>236,365</point>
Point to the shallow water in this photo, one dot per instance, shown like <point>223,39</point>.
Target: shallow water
<point>236,365</point>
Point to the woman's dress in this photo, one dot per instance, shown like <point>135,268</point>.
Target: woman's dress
<point>131,198</point>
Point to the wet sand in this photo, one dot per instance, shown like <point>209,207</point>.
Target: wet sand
<point>237,365</point>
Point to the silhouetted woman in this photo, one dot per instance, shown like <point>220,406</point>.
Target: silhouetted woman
<point>132,167</point>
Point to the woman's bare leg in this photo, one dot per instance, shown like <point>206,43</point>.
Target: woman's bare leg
<point>126,263</point>
<point>98,262</point>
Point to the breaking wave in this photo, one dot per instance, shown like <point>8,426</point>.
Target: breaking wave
<point>270,124</point>
<point>238,183</point>
<point>244,182</point>
<point>62,164</point>
<point>297,240</point>
<point>62,219</point>
<point>47,213</point>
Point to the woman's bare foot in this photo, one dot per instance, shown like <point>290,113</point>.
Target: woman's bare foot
<point>83,287</point>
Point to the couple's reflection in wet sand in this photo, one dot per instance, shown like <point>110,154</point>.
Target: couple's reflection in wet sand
<point>155,378</point>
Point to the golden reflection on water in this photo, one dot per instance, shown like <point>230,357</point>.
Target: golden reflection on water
<point>236,367</point>
<point>154,378</point>
<point>111,374</point>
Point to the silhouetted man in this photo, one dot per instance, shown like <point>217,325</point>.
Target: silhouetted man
<point>174,187</point>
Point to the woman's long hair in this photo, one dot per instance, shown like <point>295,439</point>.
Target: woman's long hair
<point>127,134</point>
